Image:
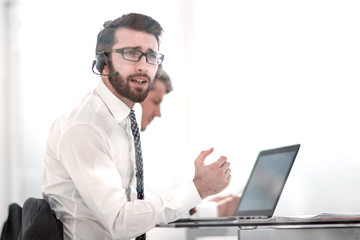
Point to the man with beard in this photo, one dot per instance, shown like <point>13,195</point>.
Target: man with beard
<point>93,166</point>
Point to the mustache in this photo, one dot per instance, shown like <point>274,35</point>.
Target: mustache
<point>144,75</point>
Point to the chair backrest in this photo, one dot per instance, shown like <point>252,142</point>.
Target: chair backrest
<point>35,221</point>
<point>39,221</point>
<point>12,226</point>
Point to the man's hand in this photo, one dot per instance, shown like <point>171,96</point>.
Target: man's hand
<point>213,178</point>
<point>227,205</point>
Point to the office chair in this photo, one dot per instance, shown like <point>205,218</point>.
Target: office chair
<point>12,225</point>
<point>38,222</point>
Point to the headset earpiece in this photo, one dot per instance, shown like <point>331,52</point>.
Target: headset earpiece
<point>159,71</point>
<point>100,61</point>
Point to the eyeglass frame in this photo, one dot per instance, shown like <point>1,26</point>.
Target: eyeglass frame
<point>121,50</point>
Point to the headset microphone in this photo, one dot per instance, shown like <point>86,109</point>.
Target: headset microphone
<point>114,74</point>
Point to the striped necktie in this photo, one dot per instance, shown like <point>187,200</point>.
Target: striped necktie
<point>138,162</point>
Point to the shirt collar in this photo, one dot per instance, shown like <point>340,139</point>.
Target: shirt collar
<point>116,107</point>
<point>138,113</point>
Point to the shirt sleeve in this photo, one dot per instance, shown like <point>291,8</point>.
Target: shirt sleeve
<point>206,209</point>
<point>86,156</point>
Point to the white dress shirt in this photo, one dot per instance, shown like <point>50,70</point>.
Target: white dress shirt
<point>89,177</point>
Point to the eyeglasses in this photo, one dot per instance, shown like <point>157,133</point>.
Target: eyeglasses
<point>134,55</point>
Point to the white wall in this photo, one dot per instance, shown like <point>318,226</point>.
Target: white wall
<point>248,75</point>
<point>2,111</point>
<point>9,106</point>
<point>264,74</point>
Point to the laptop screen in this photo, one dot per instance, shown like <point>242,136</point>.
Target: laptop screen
<point>266,182</point>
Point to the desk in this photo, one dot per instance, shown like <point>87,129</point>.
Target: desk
<point>317,227</point>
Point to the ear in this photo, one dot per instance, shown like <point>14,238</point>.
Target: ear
<point>106,68</point>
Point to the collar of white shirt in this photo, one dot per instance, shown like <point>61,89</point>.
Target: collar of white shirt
<point>117,107</point>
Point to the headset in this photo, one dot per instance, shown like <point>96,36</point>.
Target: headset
<point>99,63</point>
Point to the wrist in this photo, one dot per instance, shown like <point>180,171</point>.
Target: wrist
<point>199,188</point>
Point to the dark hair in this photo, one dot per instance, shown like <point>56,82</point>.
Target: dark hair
<point>164,78</point>
<point>135,21</point>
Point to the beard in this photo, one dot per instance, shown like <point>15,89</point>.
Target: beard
<point>122,87</point>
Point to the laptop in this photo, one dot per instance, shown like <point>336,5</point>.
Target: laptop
<point>264,186</point>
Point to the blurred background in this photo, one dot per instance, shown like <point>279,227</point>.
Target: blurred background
<point>248,75</point>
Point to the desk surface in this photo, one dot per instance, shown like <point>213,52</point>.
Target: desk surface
<point>334,220</point>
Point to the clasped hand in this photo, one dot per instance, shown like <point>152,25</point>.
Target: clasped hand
<point>212,178</point>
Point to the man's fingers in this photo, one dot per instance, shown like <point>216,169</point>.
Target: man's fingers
<point>228,179</point>
<point>212,178</point>
<point>228,173</point>
<point>221,161</point>
<point>202,156</point>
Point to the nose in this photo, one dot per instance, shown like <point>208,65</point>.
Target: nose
<point>142,65</point>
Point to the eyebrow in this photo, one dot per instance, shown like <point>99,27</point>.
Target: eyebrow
<point>149,50</point>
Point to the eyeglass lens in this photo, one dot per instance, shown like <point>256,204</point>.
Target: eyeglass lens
<point>135,55</point>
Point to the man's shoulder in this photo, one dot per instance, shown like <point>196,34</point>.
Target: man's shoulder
<point>90,111</point>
